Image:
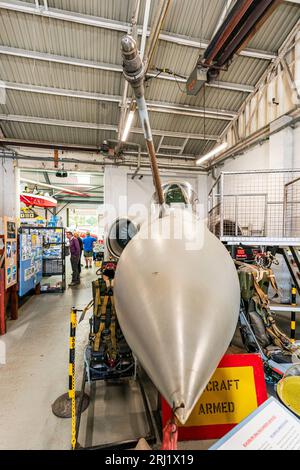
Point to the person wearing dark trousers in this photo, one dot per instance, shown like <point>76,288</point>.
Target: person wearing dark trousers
<point>76,235</point>
<point>75,256</point>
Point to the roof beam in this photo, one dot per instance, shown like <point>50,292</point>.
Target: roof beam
<point>12,51</point>
<point>217,84</point>
<point>60,92</point>
<point>152,105</point>
<point>95,126</point>
<point>95,21</point>
<point>46,176</point>
<point>172,108</point>
<point>78,200</point>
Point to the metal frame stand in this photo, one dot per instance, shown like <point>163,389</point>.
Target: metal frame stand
<point>121,445</point>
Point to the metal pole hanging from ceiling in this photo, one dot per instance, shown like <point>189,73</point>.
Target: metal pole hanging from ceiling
<point>134,71</point>
<point>134,34</point>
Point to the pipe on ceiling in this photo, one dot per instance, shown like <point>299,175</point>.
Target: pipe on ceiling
<point>15,156</point>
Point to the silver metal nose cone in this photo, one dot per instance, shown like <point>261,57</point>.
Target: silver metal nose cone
<point>128,44</point>
<point>182,415</point>
<point>180,312</point>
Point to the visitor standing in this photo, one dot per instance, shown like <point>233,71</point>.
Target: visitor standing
<point>88,243</point>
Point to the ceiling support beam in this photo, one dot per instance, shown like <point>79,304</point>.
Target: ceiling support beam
<point>95,126</point>
<point>76,199</point>
<point>33,55</point>
<point>98,22</point>
<point>13,51</point>
<point>46,176</point>
<point>185,110</point>
<point>100,164</point>
<point>223,114</point>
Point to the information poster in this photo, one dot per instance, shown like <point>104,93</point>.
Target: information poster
<point>30,266</point>
<point>10,238</point>
<point>270,427</point>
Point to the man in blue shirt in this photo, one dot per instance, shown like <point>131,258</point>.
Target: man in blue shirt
<point>88,243</point>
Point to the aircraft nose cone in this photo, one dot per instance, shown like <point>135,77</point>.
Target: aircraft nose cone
<point>182,415</point>
<point>177,300</point>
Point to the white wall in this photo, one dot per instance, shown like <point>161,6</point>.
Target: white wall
<point>296,147</point>
<point>122,192</point>
<point>282,150</point>
<point>9,194</point>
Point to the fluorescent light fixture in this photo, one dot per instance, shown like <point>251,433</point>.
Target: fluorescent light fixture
<point>83,179</point>
<point>128,125</point>
<point>212,153</point>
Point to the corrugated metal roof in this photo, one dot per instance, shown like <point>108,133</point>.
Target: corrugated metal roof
<point>275,29</point>
<point>194,18</point>
<point>59,107</point>
<point>173,141</point>
<point>120,10</point>
<point>245,70</point>
<point>42,34</point>
<point>66,135</point>
<point>53,36</point>
<point>180,59</point>
<point>199,148</point>
<point>172,92</point>
<point>188,124</point>
<point>51,74</point>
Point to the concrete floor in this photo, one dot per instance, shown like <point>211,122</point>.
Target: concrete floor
<point>36,373</point>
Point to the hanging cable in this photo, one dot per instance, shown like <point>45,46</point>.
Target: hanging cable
<point>178,84</point>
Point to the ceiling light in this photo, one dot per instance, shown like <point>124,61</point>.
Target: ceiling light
<point>212,153</point>
<point>128,125</point>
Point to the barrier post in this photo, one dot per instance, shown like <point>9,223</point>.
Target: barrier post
<point>65,405</point>
<point>72,395</point>
<point>293,315</point>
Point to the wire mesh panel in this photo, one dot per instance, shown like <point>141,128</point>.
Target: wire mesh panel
<point>292,208</point>
<point>214,207</point>
<point>256,204</point>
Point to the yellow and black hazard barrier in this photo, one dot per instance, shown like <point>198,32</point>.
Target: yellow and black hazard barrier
<point>72,393</point>
<point>65,405</point>
<point>293,315</point>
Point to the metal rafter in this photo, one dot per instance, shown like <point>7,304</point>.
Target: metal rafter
<point>27,54</point>
<point>95,126</point>
<point>95,21</point>
<point>172,108</point>
<point>101,163</point>
<point>46,176</point>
